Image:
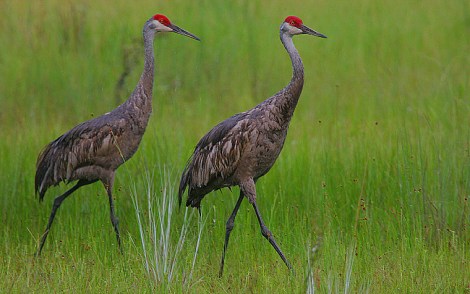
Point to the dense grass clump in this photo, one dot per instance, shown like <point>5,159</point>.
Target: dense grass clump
<point>371,192</point>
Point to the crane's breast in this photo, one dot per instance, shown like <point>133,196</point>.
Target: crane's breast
<point>265,150</point>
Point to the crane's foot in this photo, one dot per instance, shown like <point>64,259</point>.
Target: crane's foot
<point>41,244</point>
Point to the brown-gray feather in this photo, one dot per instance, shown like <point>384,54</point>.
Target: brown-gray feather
<point>209,163</point>
<point>245,145</point>
<point>96,144</point>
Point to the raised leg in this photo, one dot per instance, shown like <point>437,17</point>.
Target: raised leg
<point>228,228</point>
<point>57,202</point>
<point>249,189</point>
<point>114,219</point>
<point>268,235</point>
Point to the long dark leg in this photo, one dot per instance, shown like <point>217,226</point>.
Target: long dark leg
<point>57,202</point>
<point>114,219</point>
<point>228,229</point>
<point>268,235</point>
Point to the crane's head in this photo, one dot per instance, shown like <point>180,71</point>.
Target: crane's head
<point>294,26</point>
<point>161,23</point>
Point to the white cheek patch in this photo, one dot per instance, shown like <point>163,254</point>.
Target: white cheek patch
<point>161,28</point>
<point>291,29</point>
<point>294,31</point>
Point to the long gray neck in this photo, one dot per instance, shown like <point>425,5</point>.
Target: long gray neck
<point>286,100</point>
<point>146,79</point>
<point>297,80</point>
<point>139,105</point>
<point>140,101</point>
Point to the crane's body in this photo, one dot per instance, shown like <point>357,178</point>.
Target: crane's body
<point>243,148</point>
<point>94,149</point>
<point>231,152</point>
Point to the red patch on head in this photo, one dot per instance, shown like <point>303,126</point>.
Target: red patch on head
<point>162,19</point>
<point>294,21</point>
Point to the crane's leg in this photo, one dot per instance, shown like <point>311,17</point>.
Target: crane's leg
<point>268,235</point>
<point>114,219</point>
<point>57,202</point>
<point>228,229</point>
<point>249,189</point>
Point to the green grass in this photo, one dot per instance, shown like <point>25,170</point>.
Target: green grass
<point>375,172</point>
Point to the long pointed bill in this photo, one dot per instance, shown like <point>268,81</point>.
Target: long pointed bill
<point>180,31</point>
<point>309,31</point>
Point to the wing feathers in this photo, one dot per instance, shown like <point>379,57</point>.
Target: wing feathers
<point>79,147</point>
<point>215,159</point>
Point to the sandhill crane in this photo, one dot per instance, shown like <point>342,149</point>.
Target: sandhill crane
<point>94,149</point>
<point>243,148</point>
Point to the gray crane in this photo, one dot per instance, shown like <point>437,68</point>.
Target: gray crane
<point>243,148</point>
<point>94,149</point>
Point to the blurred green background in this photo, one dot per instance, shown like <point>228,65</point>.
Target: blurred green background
<point>375,172</point>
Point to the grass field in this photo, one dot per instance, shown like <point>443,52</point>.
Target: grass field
<point>370,194</point>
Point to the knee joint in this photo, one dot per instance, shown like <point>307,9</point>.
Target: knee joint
<point>114,220</point>
<point>229,225</point>
<point>266,233</point>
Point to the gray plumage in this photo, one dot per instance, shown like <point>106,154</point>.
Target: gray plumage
<point>94,149</point>
<point>243,148</point>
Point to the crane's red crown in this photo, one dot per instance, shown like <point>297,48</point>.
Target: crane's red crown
<point>294,21</point>
<point>162,19</point>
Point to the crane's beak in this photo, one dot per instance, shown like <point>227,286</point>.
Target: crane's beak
<point>309,31</point>
<point>180,31</point>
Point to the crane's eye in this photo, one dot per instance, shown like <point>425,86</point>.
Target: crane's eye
<point>292,23</point>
